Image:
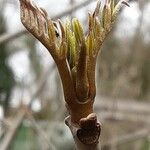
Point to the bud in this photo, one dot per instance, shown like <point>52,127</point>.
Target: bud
<point>78,30</point>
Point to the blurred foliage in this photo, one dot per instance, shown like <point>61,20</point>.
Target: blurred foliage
<point>7,80</point>
<point>25,140</point>
<point>28,137</point>
<point>146,145</point>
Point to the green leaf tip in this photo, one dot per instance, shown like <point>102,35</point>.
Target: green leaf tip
<point>74,52</point>
<point>71,35</point>
<point>78,30</point>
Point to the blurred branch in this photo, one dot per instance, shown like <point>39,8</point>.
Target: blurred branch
<point>140,134</point>
<point>11,36</point>
<point>41,83</point>
<point>48,144</point>
<point>16,123</point>
<point>120,109</point>
<point>8,138</point>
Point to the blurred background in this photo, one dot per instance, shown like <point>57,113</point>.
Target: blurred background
<point>32,108</point>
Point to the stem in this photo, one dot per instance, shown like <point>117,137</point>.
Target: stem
<point>80,110</point>
<point>81,146</point>
<point>86,134</point>
<point>67,82</point>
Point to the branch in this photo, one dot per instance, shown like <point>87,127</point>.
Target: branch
<point>75,56</point>
<point>86,134</point>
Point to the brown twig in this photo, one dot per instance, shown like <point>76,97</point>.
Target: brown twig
<point>75,56</point>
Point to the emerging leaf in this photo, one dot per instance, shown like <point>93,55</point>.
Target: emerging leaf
<point>78,30</point>
<point>74,52</point>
